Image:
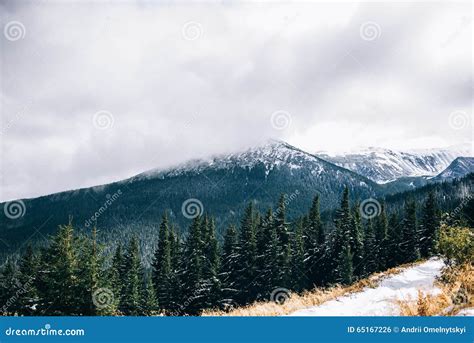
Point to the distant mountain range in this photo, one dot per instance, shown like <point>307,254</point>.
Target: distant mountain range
<point>385,165</point>
<point>222,186</point>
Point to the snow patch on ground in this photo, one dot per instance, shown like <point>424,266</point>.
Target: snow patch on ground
<point>382,300</point>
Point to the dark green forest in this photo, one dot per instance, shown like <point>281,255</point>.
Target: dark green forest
<point>76,274</point>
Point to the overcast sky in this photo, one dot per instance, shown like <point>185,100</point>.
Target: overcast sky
<point>95,92</point>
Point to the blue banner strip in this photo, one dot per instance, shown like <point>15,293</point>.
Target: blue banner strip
<point>237,329</point>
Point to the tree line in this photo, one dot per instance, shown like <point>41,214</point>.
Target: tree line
<point>72,275</point>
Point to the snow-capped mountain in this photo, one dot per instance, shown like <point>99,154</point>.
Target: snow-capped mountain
<point>460,167</point>
<point>385,165</point>
<point>273,154</point>
<point>221,186</point>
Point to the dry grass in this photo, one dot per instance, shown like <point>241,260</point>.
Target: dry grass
<point>314,297</point>
<point>457,293</point>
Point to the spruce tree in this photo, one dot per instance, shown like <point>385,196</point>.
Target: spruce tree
<point>357,242</point>
<point>28,277</point>
<point>134,279</point>
<point>370,249</point>
<point>246,283</point>
<point>230,268</point>
<point>409,244</point>
<point>381,238</point>
<point>429,228</point>
<point>162,266</point>
<point>62,278</point>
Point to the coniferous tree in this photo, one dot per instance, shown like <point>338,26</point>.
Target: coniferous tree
<point>9,286</point>
<point>230,268</point>
<point>314,243</point>
<point>117,276</point>
<point>299,273</point>
<point>193,269</point>
<point>162,266</point>
<point>134,277</point>
<point>284,248</point>
<point>394,257</point>
<point>409,244</point>
<point>62,277</point>
<point>149,300</point>
<point>246,282</point>
<point>370,249</point>
<point>357,242</point>
<point>381,239</point>
<point>341,248</point>
<point>429,228</point>
<point>28,276</point>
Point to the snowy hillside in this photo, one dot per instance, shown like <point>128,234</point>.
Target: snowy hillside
<point>458,168</point>
<point>273,154</point>
<point>381,301</point>
<point>385,165</point>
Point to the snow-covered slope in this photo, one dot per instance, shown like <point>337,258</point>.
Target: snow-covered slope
<point>385,165</point>
<point>382,300</point>
<point>273,154</point>
<point>460,167</point>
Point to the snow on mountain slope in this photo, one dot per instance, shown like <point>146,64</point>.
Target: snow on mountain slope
<point>273,154</point>
<point>385,165</point>
<point>460,167</point>
<point>381,301</point>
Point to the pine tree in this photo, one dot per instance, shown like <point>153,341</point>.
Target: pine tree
<point>314,241</point>
<point>162,266</point>
<point>299,273</point>
<point>62,277</point>
<point>357,242</point>
<point>409,244</point>
<point>430,223</point>
<point>9,286</point>
<point>370,249</point>
<point>246,283</point>
<point>394,257</point>
<point>230,268</point>
<point>28,275</point>
<point>284,248</point>
<point>381,238</point>
<point>341,249</point>
<point>193,270</point>
<point>117,277</point>
<point>149,301</point>
<point>134,278</point>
